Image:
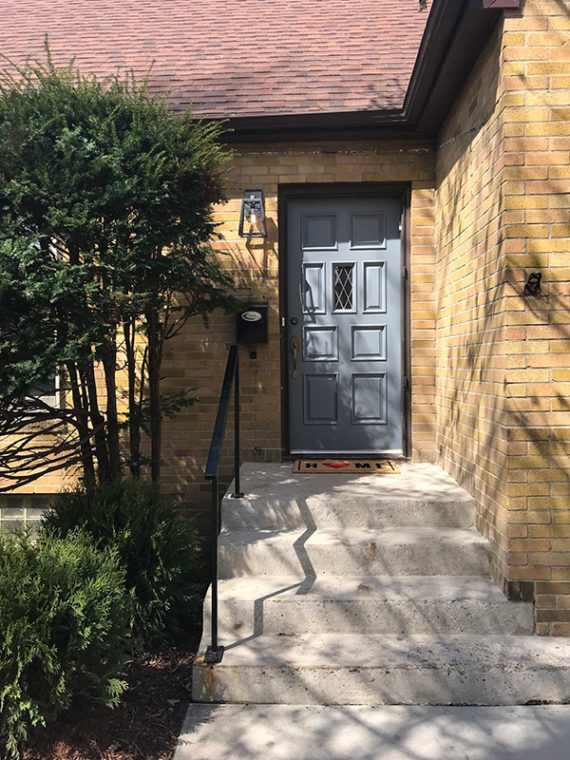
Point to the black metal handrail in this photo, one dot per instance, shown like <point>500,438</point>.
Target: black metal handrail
<point>214,652</point>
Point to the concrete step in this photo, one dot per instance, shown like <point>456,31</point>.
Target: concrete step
<point>372,669</point>
<point>399,606</point>
<point>277,499</point>
<point>353,551</point>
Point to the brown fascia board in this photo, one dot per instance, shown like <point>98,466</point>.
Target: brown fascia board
<point>434,47</point>
<point>455,34</point>
<point>502,4</point>
<point>325,126</point>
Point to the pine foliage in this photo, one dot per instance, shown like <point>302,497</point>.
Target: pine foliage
<point>65,622</point>
<point>155,542</point>
<point>106,205</point>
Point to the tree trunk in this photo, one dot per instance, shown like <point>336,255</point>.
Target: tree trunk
<point>134,407</point>
<point>98,423</point>
<point>82,423</point>
<point>154,396</point>
<point>110,370</point>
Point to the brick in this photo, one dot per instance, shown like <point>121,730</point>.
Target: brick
<point>526,23</point>
<point>546,67</point>
<point>550,129</point>
<point>531,573</point>
<point>546,98</point>
<point>528,462</point>
<point>552,588</point>
<point>528,434</point>
<point>560,82</point>
<point>558,172</point>
<point>526,202</point>
<point>554,559</point>
<point>547,502</point>
<point>530,544</point>
<point>560,629</point>
<point>550,531</point>
<point>559,114</point>
<point>560,346</point>
<point>559,616</point>
<point>531,375</point>
<point>545,601</point>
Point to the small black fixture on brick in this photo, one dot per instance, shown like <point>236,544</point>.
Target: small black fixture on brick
<point>253,212</point>
<point>532,285</point>
<point>252,323</point>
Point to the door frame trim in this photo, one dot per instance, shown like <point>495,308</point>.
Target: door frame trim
<point>399,190</point>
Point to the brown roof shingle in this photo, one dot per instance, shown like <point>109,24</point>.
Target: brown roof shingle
<point>233,58</point>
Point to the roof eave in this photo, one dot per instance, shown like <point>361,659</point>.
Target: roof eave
<point>455,34</point>
<point>330,126</point>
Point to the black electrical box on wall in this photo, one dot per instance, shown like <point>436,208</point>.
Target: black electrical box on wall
<point>252,323</point>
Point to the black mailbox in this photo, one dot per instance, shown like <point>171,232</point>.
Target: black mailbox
<point>252,323</point>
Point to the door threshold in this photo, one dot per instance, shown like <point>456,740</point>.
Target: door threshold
<point>386,454</point>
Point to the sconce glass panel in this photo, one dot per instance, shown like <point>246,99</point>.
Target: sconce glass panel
<point>252,214</point>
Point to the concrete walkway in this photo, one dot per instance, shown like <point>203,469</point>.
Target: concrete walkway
<point>314,732</point>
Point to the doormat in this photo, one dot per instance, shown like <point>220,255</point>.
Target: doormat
<point>360,466</point>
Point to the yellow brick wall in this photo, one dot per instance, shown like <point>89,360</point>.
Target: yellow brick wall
<point>536,65</point>
<point>471,328</point>
<point>503,358</point>
<point>199,354</point>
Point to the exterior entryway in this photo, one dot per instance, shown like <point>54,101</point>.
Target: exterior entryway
<point>344,325</point>
<point>367,590</point>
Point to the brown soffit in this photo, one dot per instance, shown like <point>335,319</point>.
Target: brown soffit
<point>455,34</point>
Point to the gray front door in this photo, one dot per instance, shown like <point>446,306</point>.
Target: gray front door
<point>344,334</point>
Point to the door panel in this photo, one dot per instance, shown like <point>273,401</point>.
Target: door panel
<point>344,319</point>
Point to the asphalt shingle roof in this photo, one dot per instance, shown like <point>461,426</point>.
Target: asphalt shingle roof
<point>233,58</point>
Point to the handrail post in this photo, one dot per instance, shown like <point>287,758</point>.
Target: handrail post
<point>237,494</point>
<point>214,652</point>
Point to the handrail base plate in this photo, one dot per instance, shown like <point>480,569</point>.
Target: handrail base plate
<point>214,655</point>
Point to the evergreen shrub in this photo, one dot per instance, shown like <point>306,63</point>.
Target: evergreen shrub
<point>156,543</point>
<point>64,618</point>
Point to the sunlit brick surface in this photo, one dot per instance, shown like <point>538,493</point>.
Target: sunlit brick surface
<point>503,368</point>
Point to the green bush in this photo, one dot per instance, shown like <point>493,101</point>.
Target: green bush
<point>64,618</point>
<point>157,545</point>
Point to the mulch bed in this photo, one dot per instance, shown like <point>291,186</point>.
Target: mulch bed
<point>145,726</point>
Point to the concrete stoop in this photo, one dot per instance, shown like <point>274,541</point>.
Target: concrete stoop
<point>367,590</point>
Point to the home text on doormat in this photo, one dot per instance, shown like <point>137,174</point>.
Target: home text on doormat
<point>360,466</point>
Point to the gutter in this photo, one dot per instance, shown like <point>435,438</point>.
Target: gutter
<point>455,34</point>
<point>334,125</point>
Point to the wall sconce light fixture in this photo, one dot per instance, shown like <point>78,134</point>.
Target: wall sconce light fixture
<point>253,212</point>
<point>532,285</point>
